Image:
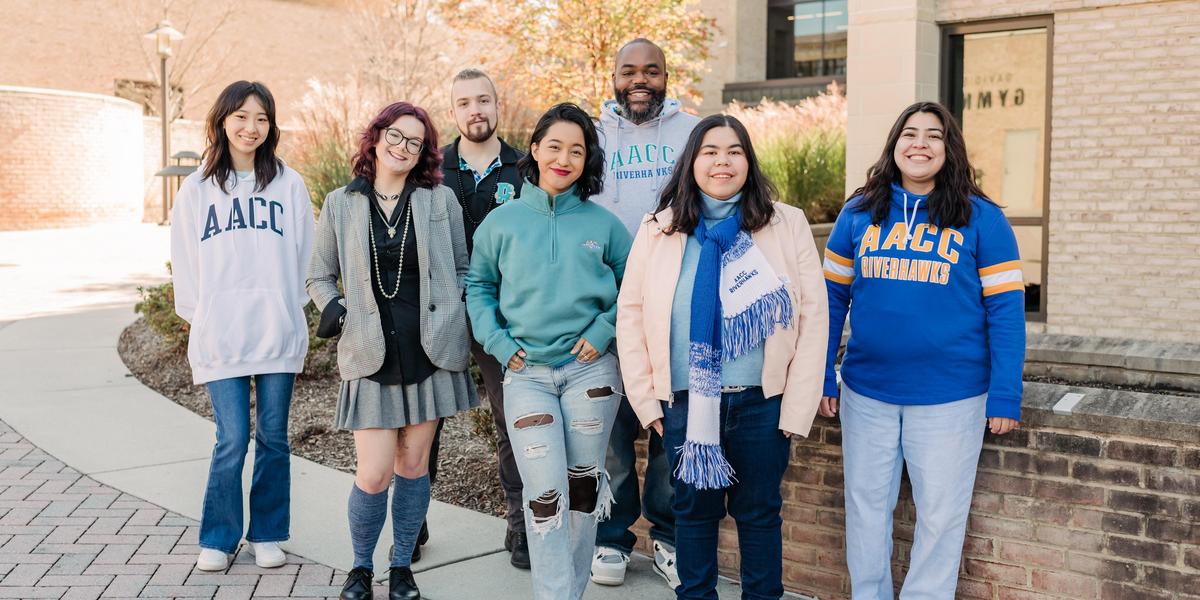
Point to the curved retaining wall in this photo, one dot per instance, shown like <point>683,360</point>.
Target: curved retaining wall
<point>68,159</point>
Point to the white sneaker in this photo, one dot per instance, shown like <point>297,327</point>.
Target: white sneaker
<point>664,563</point>
<point>267,554</point>
<point>608,566</point>
<point>212,560</point>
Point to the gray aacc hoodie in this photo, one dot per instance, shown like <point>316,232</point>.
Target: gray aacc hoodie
<point>639,159</point>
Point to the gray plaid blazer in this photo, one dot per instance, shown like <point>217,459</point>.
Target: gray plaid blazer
<point>341,251</point>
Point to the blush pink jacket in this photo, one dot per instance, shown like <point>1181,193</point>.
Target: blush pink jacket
<point>794,358</point>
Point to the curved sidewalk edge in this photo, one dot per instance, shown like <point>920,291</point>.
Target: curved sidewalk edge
<point>67,392</point>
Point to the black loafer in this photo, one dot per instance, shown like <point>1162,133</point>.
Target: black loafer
<point>401,585</point>
<point>358,585</point>
<point>516,543</point>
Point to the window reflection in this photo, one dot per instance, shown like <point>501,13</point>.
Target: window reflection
<point>806,38</point>
<point>998,90</point>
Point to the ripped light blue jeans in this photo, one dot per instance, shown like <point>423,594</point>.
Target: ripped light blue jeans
<point>559,420</point>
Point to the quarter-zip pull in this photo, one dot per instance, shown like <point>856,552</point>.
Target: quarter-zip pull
<point>553,236</point>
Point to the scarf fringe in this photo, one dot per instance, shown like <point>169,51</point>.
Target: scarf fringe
<point>746,330</point>
<point>704,466</point>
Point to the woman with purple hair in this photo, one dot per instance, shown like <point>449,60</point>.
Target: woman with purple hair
<point>394,238</point>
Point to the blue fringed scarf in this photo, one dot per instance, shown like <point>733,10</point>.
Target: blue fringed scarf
<point>737,302</point>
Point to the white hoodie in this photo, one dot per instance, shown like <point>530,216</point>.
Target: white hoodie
<point>239,262</point>
<point>639,159</point>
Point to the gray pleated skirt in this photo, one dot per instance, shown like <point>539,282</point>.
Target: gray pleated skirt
<point>365,404</point>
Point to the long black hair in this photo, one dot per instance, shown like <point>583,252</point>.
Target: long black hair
<point>950,202</point>
<point>591,181</point>
<point>682,194</point>
<point>218,161</point>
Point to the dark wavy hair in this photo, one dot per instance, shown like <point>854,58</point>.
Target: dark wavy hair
<point>682,194</point>
<point>427,173</point>
<point>950,202</point>
<point>218,161</point>
<point>591,181</point>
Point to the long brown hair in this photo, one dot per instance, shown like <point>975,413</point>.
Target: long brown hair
<point>682,194</point>
<point>218,160</point>
<point>950,202</point>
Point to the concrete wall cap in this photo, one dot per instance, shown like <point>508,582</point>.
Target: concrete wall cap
<point>29,91</point>
<point>1141,355</point>
<point>1154,416</point>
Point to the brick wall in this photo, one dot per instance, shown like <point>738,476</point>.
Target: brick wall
<point>1125,172</point>
<point>1060,511</point>
<point>68,159</point>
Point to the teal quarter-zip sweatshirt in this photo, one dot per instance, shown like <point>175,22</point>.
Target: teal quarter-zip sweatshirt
<point>545,272</point>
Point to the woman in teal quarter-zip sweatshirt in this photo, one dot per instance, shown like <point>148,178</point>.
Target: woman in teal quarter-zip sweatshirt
<point>562,259</point>
<point>542,296</point>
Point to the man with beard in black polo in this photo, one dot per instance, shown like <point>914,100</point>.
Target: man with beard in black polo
<point>481,169</point>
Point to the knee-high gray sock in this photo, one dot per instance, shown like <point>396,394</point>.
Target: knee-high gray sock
<point>410,502</point>
<point>367,513</point>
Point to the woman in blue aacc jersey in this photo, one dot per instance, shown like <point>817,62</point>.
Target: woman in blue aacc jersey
<point>928,269</point>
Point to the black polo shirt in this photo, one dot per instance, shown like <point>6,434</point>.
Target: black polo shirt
<point>502,184</point>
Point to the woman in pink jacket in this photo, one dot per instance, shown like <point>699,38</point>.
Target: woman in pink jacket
<point>722,323</point>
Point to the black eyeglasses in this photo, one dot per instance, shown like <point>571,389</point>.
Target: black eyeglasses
<point>395,138</point>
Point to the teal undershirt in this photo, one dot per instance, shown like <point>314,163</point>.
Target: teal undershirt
<point>744,370</point>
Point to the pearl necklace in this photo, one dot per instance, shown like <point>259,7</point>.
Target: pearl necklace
<point>403,242</point>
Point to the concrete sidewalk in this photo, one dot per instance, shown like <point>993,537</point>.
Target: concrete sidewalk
<point>67,394</point>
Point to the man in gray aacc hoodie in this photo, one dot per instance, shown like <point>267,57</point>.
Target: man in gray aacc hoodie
<point>642,132</point>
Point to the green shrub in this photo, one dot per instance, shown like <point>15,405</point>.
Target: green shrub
<point>157,306</point>
<point>802,149</point>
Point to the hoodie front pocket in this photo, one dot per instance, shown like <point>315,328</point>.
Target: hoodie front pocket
<point>245,326</point>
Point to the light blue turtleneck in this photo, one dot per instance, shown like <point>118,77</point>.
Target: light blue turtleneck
<point>744,370</point>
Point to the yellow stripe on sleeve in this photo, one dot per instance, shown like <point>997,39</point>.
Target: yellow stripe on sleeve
<point>996,268</point>
<point>837,258</point>
<point>836,278</point>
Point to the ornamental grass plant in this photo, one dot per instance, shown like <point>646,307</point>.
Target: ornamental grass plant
<point>802,149</point>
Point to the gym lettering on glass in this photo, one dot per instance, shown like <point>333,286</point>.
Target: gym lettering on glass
<point>945,243</point>
<point>259,214</point>
<point>625,161</point>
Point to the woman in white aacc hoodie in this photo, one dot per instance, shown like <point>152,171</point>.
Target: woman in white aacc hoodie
<point>241,234</point>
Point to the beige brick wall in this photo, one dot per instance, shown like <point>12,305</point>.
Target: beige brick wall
<point>85,45</point>
<point>68,159</point>
<point>1125,172</point>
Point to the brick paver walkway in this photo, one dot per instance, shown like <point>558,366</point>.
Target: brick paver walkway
<point>63,535</point>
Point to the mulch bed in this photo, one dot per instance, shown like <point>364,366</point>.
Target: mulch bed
<point>466,465</point>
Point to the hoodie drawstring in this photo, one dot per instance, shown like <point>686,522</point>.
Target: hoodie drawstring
<point>616,180</point>
<point>657,159</point>
<point>909,224</point>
